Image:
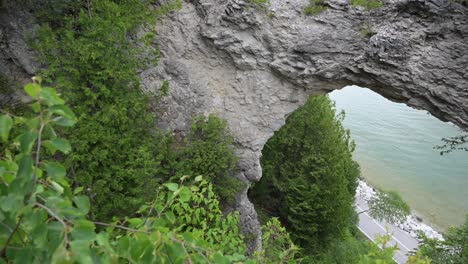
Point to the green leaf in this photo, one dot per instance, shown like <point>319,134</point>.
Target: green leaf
<point>25,168</point>
<point>61,255</point>
<point>62,110</point>
<point>78,190</point>
<point>82,202</point>
<point>171,217</point>
<point>185,194</point>
<point>27,140</point>
<point>36,107</point>
<point>198,178</point>
<point>171,186</point>
<point>50,97</point>
<point>33,123</point>
<point>57,144</point>
<point>11,203</point>
<point>57,187</point>
<point>5,126</point>
<point>81,251</point>
<point>56,171</point>
<point>220,259</point>
<point>83,230</point>
<point>65,122</point>
<point>33,89</point>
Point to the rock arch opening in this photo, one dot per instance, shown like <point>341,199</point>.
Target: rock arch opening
<point>395,148</point>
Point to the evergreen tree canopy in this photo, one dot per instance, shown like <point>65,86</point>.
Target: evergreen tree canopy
<point>309,177</point>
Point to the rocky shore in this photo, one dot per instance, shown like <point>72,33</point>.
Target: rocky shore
<point>413,223</point>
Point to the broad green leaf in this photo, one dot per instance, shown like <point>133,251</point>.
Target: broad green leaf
<point>22,255</point>
<point>185,194</point>
<point>11,203</point>
<point>171,186</point>
<point>198,178</point>
<point>171,217</point>
<point>33,89</point>
<point>25,169</point>
<point>103,240</point>
<point>57,187</point>
<point>65,122</point>
<point>81,251</point>
<point>220,259</point>
<point>33,123</point>
<point>56,171</point>
<point>83,230</point>
<point>78,190</point>
<point>5,126</point>
<point>82,202</point>
<point>27,140</point>
<point>61,255</point>
<point>57,144</point>
<point>36,107</point>
<point>135,222</point>
<point>50,97</point>
<point>63,111</point>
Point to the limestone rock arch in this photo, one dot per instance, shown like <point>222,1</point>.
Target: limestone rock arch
<point>253,67</point>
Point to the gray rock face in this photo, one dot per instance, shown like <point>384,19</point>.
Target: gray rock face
<point>253,67</point>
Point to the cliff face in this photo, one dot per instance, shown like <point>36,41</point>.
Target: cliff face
<point>254,67</point>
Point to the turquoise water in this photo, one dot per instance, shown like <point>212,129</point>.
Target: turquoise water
<point>395,150</point>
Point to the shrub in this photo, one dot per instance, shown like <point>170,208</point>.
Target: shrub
<point>44,220</point>
<point>367,4</point>
<point>315,7</point>
<point>367,31</point>
<point>209,152</point>
<point>261,4</point>
<point>93,56</point>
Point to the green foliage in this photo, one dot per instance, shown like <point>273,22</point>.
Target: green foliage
<point>43,220</point>
<point>94,55</point>
<point>260,4</point>
<point>380,252</point>
<point>367,4</point>
<point>366,30</point>
<point>315,7</point>
<point>453,249</point>
<point>309,177</point>
<point>388,206</point>
<point>347,250</point>
<point>209,152</point>
<point>418,259</point>
<point>277,245</point>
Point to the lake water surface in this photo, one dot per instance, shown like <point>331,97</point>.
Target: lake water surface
<point>395,150</point>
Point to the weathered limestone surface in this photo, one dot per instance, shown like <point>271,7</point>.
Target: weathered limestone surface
<point>254,67</point>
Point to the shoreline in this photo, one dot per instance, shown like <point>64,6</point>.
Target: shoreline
<point>413,223</point>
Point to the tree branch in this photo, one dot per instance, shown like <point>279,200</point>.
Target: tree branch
<point>3,252</point>
<point>122,227</point>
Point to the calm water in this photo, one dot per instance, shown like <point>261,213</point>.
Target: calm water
<point>395,150</point>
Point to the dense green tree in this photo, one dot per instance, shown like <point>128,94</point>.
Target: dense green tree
<point>208,151</point>
<point>93,56</point>
<point>309,177</point>
<point>44,220</point>
<point>453,249</point>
